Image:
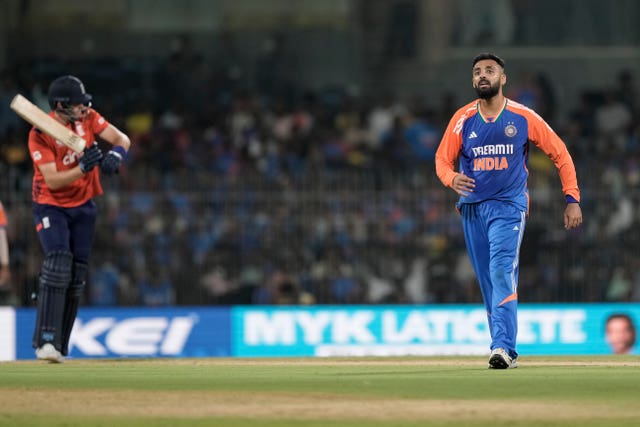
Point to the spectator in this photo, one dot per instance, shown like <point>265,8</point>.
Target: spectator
<point>612,120</point>
<point>104,285</point>
<point>9,121</point>
<point>155,290</point>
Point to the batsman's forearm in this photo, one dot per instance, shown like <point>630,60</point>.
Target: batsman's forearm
<point>116,137</point>
<point>61,179</point>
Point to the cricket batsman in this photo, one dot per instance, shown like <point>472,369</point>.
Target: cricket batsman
<point>64,185</point>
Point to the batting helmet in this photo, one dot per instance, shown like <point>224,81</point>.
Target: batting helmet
<point>68,90</point>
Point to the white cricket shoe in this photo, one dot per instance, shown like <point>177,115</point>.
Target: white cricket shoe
<point>500,359</point>
<point>49,352</point>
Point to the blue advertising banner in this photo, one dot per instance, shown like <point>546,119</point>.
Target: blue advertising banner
<point>138,332</point>
<point>546,329</point>
<point>270,331</point>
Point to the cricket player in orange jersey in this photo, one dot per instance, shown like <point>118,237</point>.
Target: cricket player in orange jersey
<point>491,137</point>
<point>64,185</point>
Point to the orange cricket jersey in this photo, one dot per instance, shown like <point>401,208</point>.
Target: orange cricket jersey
<point>45,149</point>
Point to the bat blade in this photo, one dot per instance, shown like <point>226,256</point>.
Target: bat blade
<point>47,124</point>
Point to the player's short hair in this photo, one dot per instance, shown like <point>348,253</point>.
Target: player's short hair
<point>488,55</point>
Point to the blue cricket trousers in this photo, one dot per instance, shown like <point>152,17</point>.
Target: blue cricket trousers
<point>493,232</point>
<point>68,229</point>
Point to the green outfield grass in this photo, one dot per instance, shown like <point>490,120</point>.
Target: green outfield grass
<point>558,391</point>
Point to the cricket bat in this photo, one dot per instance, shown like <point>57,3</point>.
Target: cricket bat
<point>47,124</point>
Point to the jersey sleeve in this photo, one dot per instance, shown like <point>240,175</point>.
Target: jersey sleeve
<point>41,152</point>
<point>449,149</point>
<point>541,134</point>
<point>98,123</point>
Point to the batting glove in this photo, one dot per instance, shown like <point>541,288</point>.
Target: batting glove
<point>112,161</point>
<point>91,157</point>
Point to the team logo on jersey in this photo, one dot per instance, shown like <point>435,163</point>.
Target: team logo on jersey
<point>510,130</point>
<point>79,129</point>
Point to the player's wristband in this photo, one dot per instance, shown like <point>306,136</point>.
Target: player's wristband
<point>120,150</point>
<point>570,199</point>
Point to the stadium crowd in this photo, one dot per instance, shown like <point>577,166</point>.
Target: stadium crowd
<point>277,195</point>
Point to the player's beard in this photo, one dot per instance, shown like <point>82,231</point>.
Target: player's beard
<point>487,92</point>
